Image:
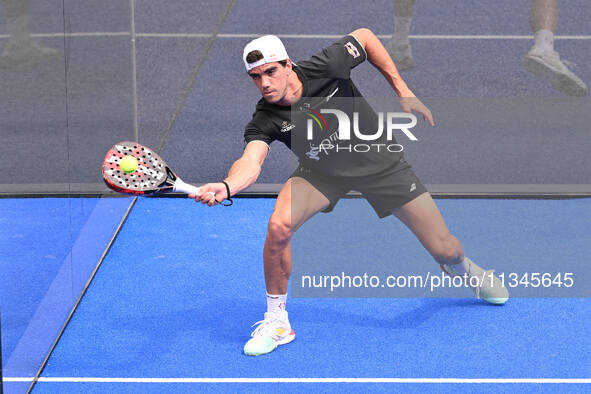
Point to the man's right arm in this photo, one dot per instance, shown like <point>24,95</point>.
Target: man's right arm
<point>243,173</point>
<point>379,57</point>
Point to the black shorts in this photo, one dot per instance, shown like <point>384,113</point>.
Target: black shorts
<point>385,191</point>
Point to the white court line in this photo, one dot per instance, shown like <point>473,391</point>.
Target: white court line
<point>88,34</point>
<point>491,37</point>
<point>83,34</point>
<point>387,36</point>
<point>415,37</point>
<point>301,36</point>
<point>306,380</point>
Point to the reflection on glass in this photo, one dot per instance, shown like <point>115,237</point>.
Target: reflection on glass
<point>542,60</point>
<point>21,50</point>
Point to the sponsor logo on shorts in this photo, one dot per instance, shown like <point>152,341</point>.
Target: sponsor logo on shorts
<point>413,187</point>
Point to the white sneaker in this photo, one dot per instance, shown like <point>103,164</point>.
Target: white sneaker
<point>271,332</point>
<point>489,288</point>
<point>547,64</point>
<point>402,56</point>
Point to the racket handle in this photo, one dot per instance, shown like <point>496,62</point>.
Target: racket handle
<point>180,186</point>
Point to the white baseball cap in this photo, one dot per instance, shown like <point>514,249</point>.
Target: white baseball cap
<point>270,46</point>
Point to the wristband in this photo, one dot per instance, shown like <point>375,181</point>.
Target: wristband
<point>230,201</point>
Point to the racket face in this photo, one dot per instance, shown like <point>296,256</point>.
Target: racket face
<point>152,175</point>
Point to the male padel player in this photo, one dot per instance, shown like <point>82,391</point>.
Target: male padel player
<point>325,172</point>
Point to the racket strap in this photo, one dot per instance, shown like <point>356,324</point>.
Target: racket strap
<point>228,199</point>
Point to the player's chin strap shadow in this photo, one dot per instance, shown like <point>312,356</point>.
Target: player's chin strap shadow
<point>228,201</point>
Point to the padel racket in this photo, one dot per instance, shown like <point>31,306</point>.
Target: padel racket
<point>152,176</point>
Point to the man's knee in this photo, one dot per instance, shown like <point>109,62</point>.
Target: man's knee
<point>448,250</point>
<point>279,230</point>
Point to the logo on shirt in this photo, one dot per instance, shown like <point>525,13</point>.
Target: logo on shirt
<point>352,49</point>
<point>286,126</point>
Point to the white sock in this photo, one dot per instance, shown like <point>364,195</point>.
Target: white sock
<point>544,40</point>
<point>276,303</point>
<point>461,268</point>
<point>401,29</point>
<point>465,267</point>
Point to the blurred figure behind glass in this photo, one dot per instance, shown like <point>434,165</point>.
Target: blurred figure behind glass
<point>21,50</point>
<point>542,60</point>
<point>401,50</point>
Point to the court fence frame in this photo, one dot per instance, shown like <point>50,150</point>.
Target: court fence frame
<point>271,190</point>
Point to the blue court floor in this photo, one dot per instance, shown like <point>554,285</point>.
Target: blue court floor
<point>172,304</point>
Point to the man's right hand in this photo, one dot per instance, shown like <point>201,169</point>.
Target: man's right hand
<point>210,194</point>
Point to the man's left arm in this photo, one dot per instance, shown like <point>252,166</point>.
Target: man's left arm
<point>380,58</point>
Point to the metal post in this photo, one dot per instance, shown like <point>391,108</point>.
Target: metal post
<point>1,376</point>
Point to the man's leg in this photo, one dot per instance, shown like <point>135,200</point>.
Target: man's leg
<point>401,51</point>
<point>423,218</point>
<point>542,60</point>
<point>297,202</point>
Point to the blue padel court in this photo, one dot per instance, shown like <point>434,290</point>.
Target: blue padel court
<point>171,305</point>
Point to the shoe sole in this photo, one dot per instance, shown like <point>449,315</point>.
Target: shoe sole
<point>569,84</point>
<point>289,338</point>
<point>496,301</point>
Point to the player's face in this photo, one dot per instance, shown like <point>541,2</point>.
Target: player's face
<point>271,79</point>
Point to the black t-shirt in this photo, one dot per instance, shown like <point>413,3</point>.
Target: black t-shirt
<point>331,108</point>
